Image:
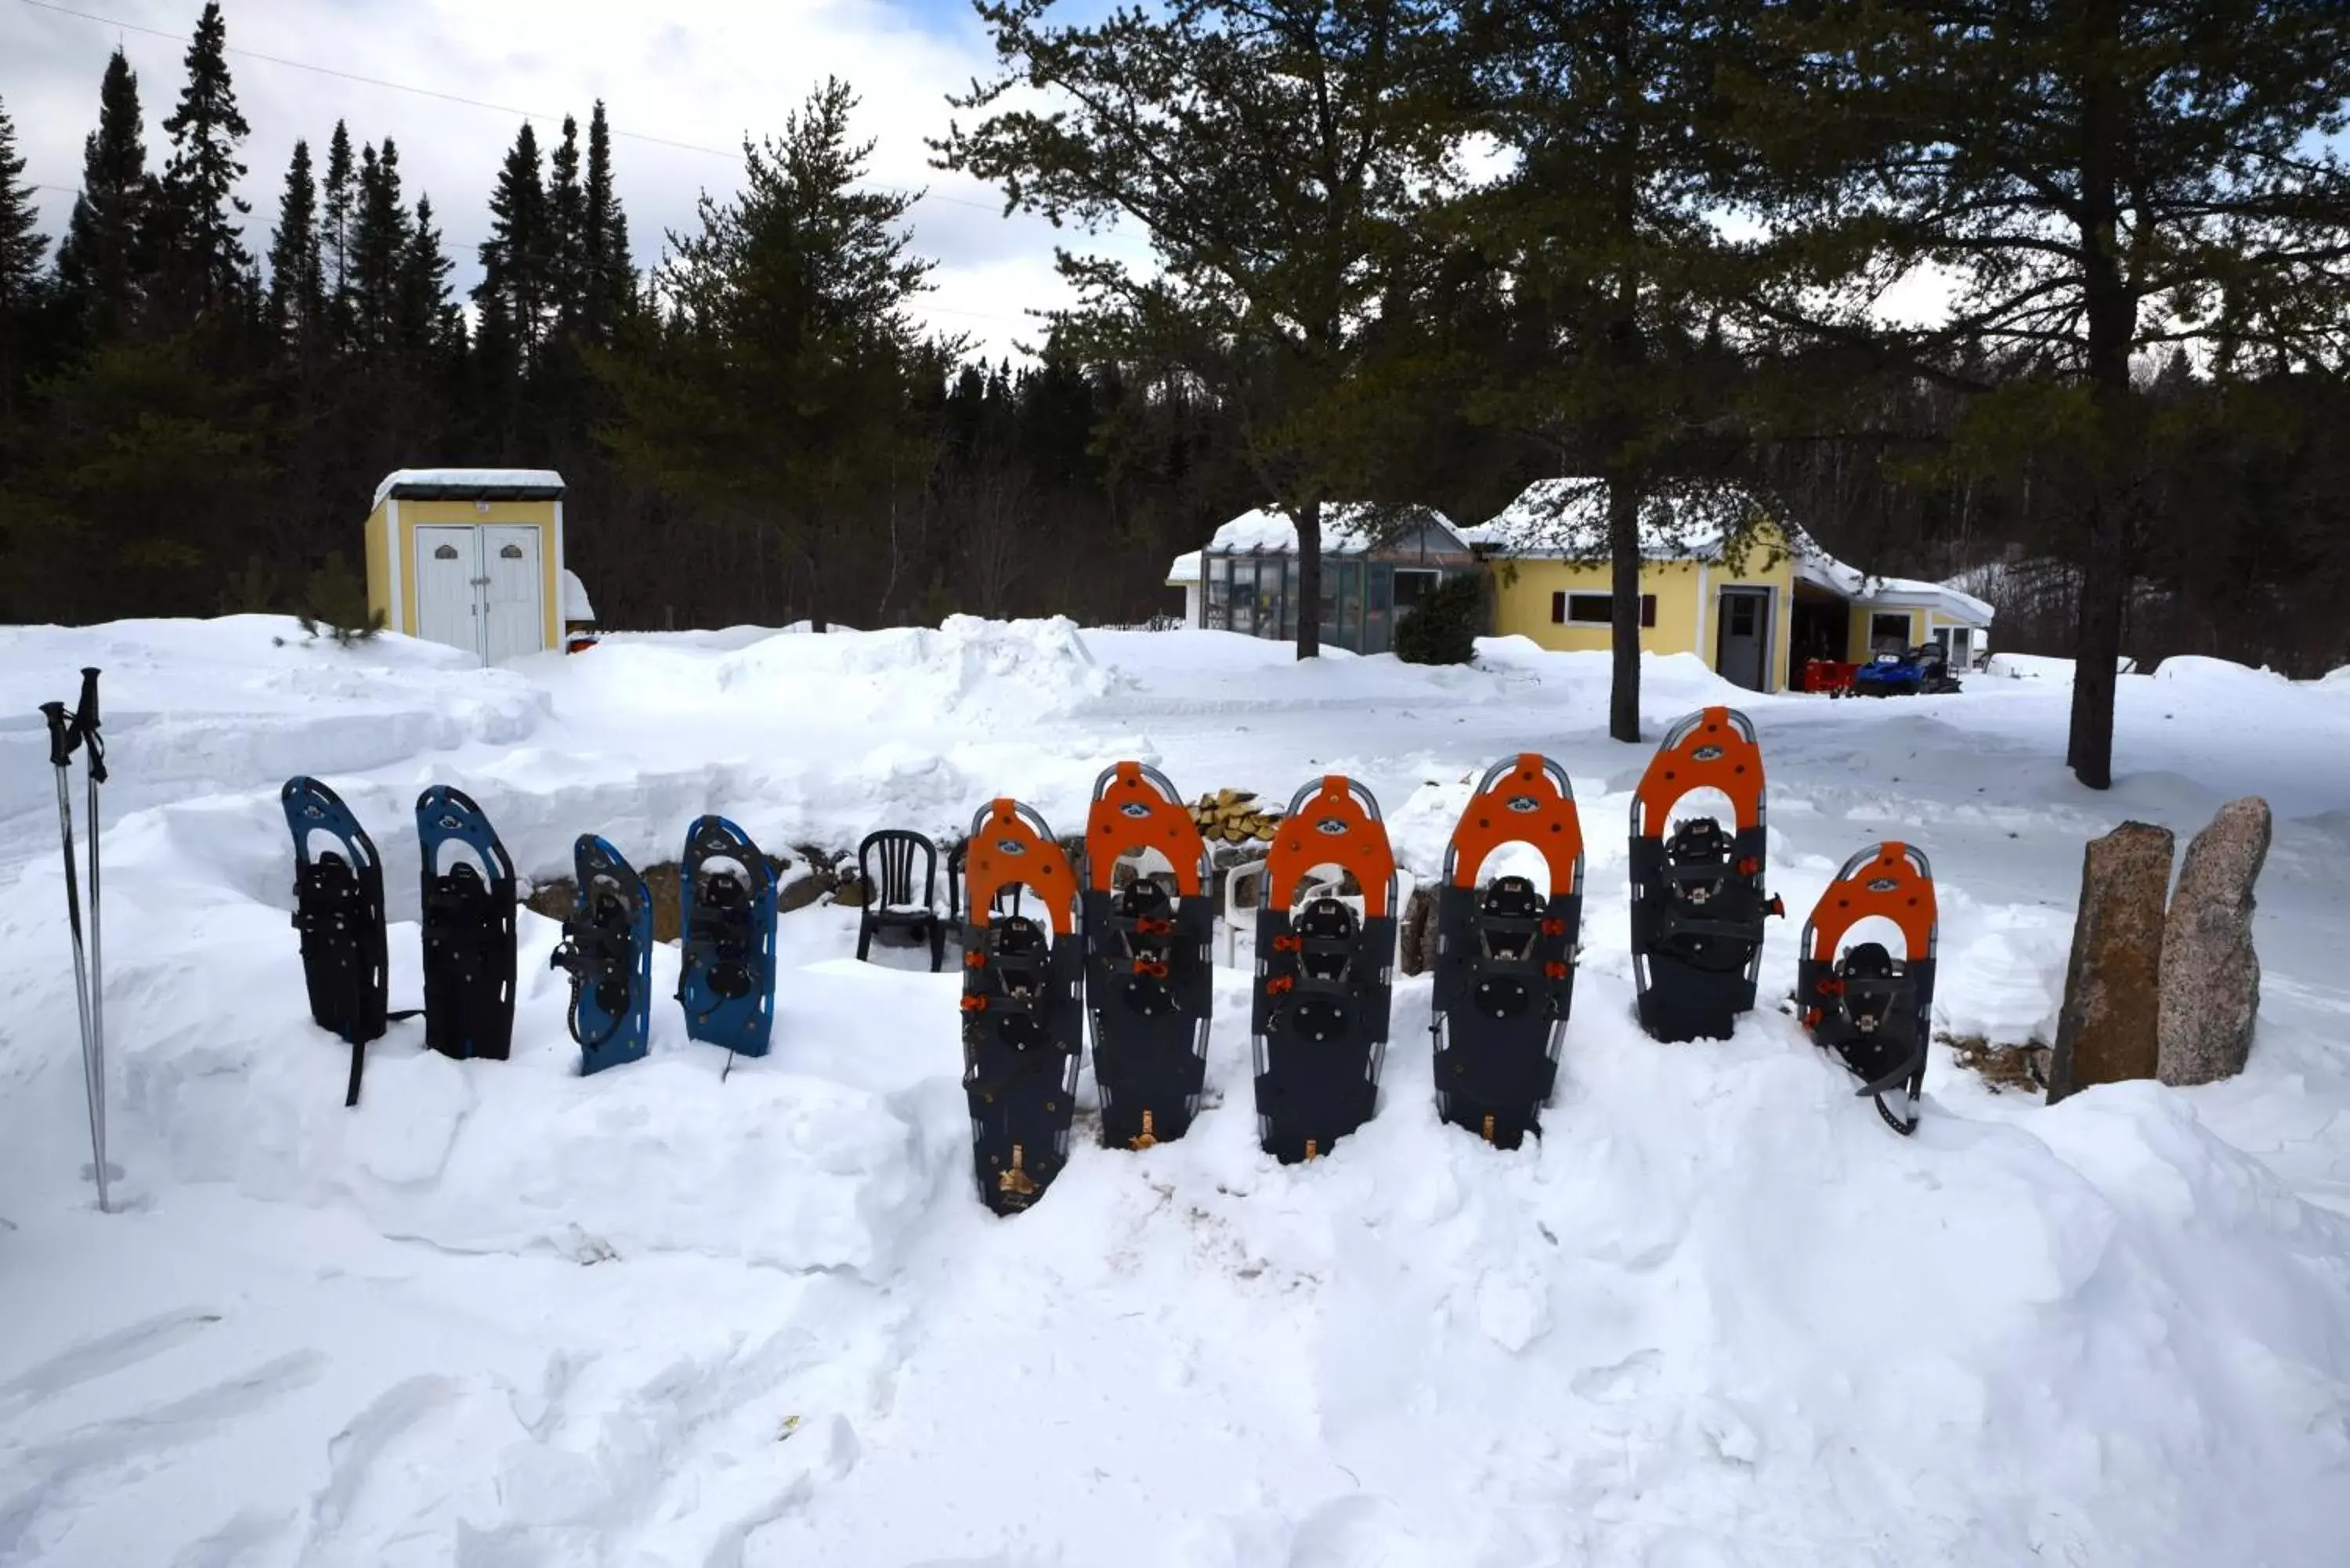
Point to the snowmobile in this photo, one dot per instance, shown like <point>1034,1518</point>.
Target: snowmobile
<point>1324,974</point>
<point>1505,954</point>
<point>1023,1012</point>
<point>1148,973</point>
<point>1871,1009</point>
<point>1698,898</point>
<point>1924,669</point>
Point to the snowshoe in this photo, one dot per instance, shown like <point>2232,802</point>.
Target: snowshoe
<point>1148,973</point>
<point>1698,902</point>
<point>607,949</point>
<point>1505,954</point>
<point>1874,1010</point>
<point>469,927</point>
<point>339,910</point>
<point>726,980</point>
<point>1324,973</point>
<point>1022,1014</point>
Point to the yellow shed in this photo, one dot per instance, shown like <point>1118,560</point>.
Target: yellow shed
<point>472,557</point>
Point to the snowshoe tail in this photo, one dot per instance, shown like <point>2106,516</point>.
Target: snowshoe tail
<point>1505,953</point>
<point>1149,984</point>
<point>1874,1012</point>
<point>1023,1008</point>
<point>726,977</point>
<point>339,910</point>
<point>468,903</point>
<point>607,949</point>
<point>1324,971</point>
<point>1698,898</point>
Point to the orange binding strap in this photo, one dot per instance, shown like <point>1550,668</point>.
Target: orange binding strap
<point>1713,755</point>
<point>1130,815</point>
<point>1006,850</point>
<point>1331,829</point>
<point>1523,806</point>
<point>1888,886</point>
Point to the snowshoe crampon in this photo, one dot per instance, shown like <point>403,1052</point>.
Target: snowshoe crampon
<point>726,977</point>
<point>607,949</point>
<point>1871,1009</point>
<point>1505,952</point>
<point>1150,981</point>
<point>339,910</point>
<point>1698,902</point>
<point>1022,1014</point>
<point>1324,971</point>
<point>468,893</point>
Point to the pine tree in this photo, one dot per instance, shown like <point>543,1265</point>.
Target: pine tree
<point>515,256</point>
<point>21,245</point>
<point>567,222</point>
<point>102,260</point>
<point>424,304</point>
<point>297,287</point>
<point>335,199</point>
<point>380,240</point>
<point>207,262</point>
<point>609,286</point>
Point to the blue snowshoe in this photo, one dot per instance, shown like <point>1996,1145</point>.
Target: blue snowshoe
<point>469,927</point>
<point>607,948</point>
<point>727,980</point>
<point>339,910</point>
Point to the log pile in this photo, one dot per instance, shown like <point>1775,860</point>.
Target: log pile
<point>1232,816</point>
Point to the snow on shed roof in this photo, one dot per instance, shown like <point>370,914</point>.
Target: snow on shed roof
<point>469,484</point>
<point>1346,529</point>
<point>1185,571</point>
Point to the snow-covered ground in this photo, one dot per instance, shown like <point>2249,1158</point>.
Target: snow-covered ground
<point>500,1315</point>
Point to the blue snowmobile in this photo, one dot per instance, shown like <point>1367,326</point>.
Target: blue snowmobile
<point>1923,670</point>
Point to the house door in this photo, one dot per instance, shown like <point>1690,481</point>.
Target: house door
<point>1745,635</point>
<point>513,593</point>
<point>448,608</point>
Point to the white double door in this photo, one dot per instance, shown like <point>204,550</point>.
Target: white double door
<point>478,587</point>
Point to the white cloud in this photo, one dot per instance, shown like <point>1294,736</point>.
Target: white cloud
<point>701,72</point>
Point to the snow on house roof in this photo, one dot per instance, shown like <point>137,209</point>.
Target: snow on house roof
<point>1348,529</point>
<point>469,484</point>
<point>1185,571</point>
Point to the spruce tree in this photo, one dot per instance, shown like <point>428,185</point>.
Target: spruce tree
<point>102,260</point>
<point>424,304</point>
<point>609,286</point>
<point>515,256</point>
<point>296,288</point>
<point>379,244</point>
<point>21,245</point>
<point>207,260</point>
<point>335,199</point>
<point>567,222</point>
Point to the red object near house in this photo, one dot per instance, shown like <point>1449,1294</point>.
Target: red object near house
<point>1827,675</point>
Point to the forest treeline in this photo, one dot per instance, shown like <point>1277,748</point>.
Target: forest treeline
<point>1401,250</point>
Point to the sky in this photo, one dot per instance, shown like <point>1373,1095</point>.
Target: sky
<point>682,81</point>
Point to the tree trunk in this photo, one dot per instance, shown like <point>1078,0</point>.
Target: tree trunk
<point>2111,315</point>
<point>1624,585</point>
<point>1309,579</point>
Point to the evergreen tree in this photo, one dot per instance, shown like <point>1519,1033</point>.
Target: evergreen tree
<point>206,263</point>
<point>380,242</point>
<point>425,310</point>
<point>335,233</point>
<point>514,257</point>
<point>609,286</point>
<point>101,263</point>
<point>21,245</point>
<point>297,287</point>
<point>566,224</point>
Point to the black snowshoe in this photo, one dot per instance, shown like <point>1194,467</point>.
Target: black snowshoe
<point>468,902</point>
<point>339,910</point>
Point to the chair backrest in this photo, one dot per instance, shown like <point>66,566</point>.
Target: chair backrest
<point>1008,897</point>
<point>885,863</point>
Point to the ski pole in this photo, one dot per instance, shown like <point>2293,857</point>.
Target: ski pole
<point>62,745</point>
<point>94,765</point>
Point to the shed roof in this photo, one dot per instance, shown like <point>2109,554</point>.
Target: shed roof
<point>469,484</point>
<point>1348,529</point>
<point>1185,571</point>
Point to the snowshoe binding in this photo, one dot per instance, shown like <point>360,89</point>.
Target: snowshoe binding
<point>1697,901</point>
<point>339,910</point>
<point>1023,1012</point>
<point>469,927</point>
<point>1505,953</point>
<point>1324,971</point>
<point>1871,1009</point>
<point>1149,975</point>
<point>607,949</point>
<point>726,980</point>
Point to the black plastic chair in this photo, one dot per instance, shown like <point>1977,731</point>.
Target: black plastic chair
<point>885,864</point>
<point>1007,900</point>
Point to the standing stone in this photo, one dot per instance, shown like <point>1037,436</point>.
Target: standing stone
<point>2210,976</point>
<point>1419,940</point>
<point>2105,1029</point>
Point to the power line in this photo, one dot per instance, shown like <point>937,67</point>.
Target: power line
<point>457,98</point>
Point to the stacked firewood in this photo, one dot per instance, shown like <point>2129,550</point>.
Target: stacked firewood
<point>1232,816</point>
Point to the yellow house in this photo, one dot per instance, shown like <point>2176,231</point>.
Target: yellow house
<point>1751,599</point>
<point>472,557</point>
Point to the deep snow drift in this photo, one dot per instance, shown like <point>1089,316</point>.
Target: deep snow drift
<point>500,1315</point>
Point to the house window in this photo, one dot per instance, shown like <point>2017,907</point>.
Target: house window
<point>1595,610</point>
<point>1889,633</point>
<point>1411,585</point>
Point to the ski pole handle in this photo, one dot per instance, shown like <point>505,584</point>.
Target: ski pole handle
<point>61,736</point>
<point>85,711</point>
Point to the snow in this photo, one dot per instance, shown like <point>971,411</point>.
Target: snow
<point>1348,528</point>
<point>487,480</point>
<point>500,1314</point>
<point>576,606</point>
<point>1185,569</point>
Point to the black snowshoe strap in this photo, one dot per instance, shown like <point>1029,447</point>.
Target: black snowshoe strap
<point>597,953</point>
<point>1873,1033</point>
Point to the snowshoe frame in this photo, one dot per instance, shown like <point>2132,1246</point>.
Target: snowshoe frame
<point>726,944</point>
<point>607,948</point>
<point>1893,880</point>
<point>339,910</point>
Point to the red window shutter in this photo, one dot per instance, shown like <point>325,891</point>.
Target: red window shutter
<point>1559,610</point>
<point>1648,609</point>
